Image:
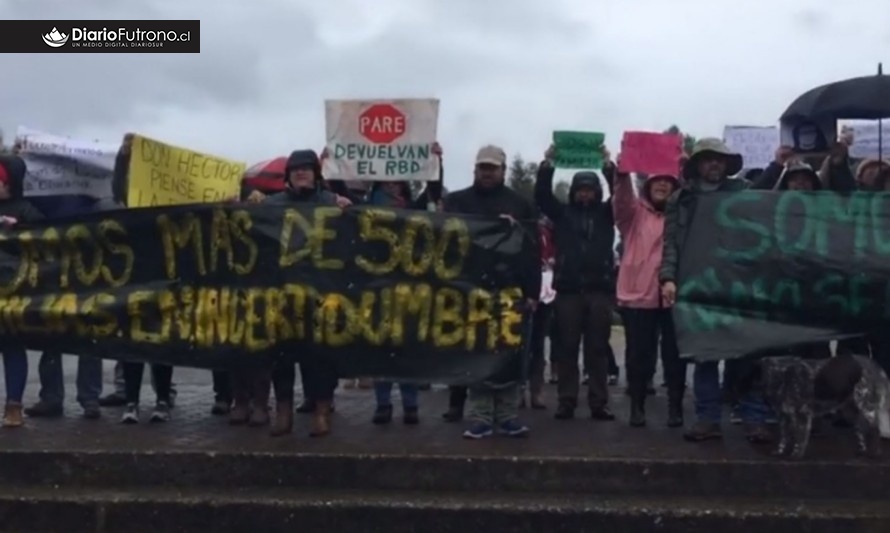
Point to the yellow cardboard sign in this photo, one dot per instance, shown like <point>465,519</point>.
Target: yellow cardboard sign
<point>163,174</point>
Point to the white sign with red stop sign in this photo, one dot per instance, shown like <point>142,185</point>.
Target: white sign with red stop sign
<point>381,140</point>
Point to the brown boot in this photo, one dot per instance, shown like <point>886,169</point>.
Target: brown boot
<point>12,417</point>
<point>321,423</point>
<point>284,419</point>
<point>240,413</point>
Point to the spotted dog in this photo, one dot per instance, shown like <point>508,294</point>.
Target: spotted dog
<point>802,389</point>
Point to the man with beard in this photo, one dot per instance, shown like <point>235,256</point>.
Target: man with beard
<point>708,169</point>
<point>583,277</point>
<point>495,402</point>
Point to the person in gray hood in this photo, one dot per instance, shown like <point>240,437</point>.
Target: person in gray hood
<point>584,281</point>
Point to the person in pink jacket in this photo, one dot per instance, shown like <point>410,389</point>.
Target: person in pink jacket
<point>640,221</point>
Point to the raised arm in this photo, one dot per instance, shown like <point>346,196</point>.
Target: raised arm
<point>544,197</point>
<point>624,203</point>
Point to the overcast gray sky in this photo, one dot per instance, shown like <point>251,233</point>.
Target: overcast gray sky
<point>507,71</point>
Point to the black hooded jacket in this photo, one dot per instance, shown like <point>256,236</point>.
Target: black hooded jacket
<point>16,206</point>
<point>317,194</point>
<point>584,236</point>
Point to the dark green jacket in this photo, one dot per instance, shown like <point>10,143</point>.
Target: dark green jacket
<point>678,216</point>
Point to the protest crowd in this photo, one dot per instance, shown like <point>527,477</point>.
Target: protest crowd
<point>587,281</point>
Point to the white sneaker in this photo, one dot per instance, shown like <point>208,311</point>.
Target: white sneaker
<point>161,412</point>
<point>131,414</point>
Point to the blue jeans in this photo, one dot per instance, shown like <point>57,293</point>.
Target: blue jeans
<point>15,371</point>
<point>383,391</point>
<point>52,381</point>
<point>709,397</point>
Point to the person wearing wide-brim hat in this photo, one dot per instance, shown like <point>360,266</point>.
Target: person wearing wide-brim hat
<point>711,162</point>
<point>708,169</point>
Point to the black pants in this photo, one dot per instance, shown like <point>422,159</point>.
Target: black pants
<point>586,317</point>
<point>457,397</point>
<point>222,386</point>
<point>613,364</point>
<point>319,377</point>
<point>646,329</point>
<point>163,377</point>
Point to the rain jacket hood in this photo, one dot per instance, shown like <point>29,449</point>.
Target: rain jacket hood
<point>645,194</point>
<point>583,179</point>
<point>303,158</point>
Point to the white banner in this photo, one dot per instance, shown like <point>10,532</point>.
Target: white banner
<point>865,138</point>
<point>381,140</point>
<point>756,144</point>
<point>60,165</point>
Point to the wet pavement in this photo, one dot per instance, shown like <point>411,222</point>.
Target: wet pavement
<point>192,427</point>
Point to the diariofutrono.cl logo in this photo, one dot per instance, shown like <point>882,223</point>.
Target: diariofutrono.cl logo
<point>55,38</point>
<point>125,38</point>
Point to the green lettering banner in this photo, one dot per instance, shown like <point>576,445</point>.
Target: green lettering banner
<point>764,270</point>
<point>389,293</point>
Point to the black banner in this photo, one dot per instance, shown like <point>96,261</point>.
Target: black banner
<point>763,270</point>
<point>386,292</point>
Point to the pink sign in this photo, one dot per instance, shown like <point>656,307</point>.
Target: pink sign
<point>651,153</point>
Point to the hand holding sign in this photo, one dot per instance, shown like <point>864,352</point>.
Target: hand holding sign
<point>650,153</point>
<point>784,154</point>
<point>550,154</point>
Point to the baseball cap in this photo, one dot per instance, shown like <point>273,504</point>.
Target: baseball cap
<point>491,155</point>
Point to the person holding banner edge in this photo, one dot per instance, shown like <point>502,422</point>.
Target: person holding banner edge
<point>319,374</point>
<point>495,403</point>
<point>708,168</point>
<point>398,194</point>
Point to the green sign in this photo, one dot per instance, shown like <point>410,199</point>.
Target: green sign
<point>578,149</point>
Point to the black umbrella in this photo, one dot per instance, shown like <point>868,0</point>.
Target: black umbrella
<point>867,97</point>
